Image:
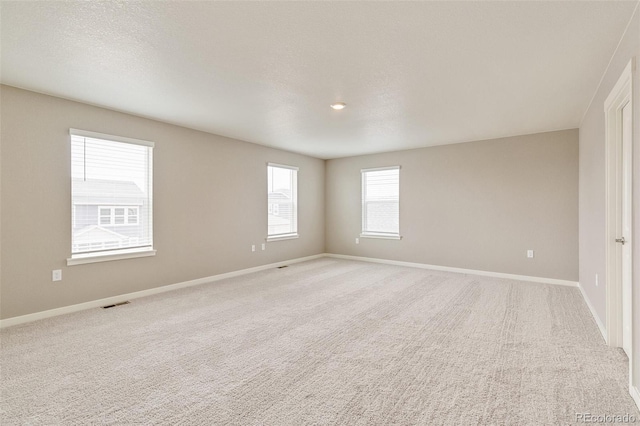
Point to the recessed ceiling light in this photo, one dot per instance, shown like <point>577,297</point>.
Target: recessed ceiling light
<point>338,105</point>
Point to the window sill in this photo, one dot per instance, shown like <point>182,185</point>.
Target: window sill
<point>283,237</point>
<point>382,236</point>
<point>82,259</point>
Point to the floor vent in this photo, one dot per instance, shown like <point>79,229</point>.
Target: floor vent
<point>285,266</point>
<point>116,304</point>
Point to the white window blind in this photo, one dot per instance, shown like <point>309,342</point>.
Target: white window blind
<point>282,198</point>
<point>381,202</point>
<point>111,194</point>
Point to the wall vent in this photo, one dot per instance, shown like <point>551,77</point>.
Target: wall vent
<point>116,304</point>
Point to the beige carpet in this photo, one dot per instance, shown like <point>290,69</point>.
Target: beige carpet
<point>322,342</point>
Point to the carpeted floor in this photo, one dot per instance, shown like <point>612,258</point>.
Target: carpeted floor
<point>322,342</point>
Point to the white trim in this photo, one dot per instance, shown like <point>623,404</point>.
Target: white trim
<point>107,256</point>
<point>149,214</point>
<point>619,90</point>
<point>116,299</point>
<point>283,166</point>
<point>635,394</point>
<point>282,237</point>
<point>381,236</point>
<point>377,169</point>
<point>458,270</point>
<point>112,138</point>
<point>601,327</point>
<point>620,95</point>
<point>138,294</point>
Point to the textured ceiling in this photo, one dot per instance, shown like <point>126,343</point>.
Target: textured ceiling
<point>412,74</point>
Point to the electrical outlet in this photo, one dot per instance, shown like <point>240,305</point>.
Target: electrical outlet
<point>357,240</point>
<point>264,246</point>
<point>596,280</point>
<point>56,275</point>
<point>530,254</point>
<point>253,247</point>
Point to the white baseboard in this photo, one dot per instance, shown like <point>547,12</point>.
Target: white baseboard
<point>120,298</point>
<point>635,394</point>
<point>601,327</point>
<point>459,270</point>
<point>116,299</point>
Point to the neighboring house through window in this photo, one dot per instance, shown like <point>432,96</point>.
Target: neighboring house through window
<point>282,202</point>
<point>111,195</point>
<point>381,202</point>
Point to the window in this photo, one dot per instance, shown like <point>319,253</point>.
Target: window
<point>282,199</point>
<point>381,202</point>
<point>111,196</point>
<point>109,216</point>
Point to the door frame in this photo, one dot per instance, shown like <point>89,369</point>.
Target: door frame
<point>621,94</point>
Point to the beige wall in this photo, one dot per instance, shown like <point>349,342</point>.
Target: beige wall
<point>209,205</point>
<point>477,205</point>
<point>592,183</point>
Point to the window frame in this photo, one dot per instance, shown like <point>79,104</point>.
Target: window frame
<point>119,253</point>
<point>294,202</point>
<point>364,232</point>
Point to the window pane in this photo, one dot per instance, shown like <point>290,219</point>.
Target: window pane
<point>105,215</point>
<point>119,216</point>
<point>132,216</point>
<point>382,217</point>
<point>380,201</point>
<point>111,185</point>
<point>282,200</point>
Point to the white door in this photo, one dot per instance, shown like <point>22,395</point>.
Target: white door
<point>626,213</point>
